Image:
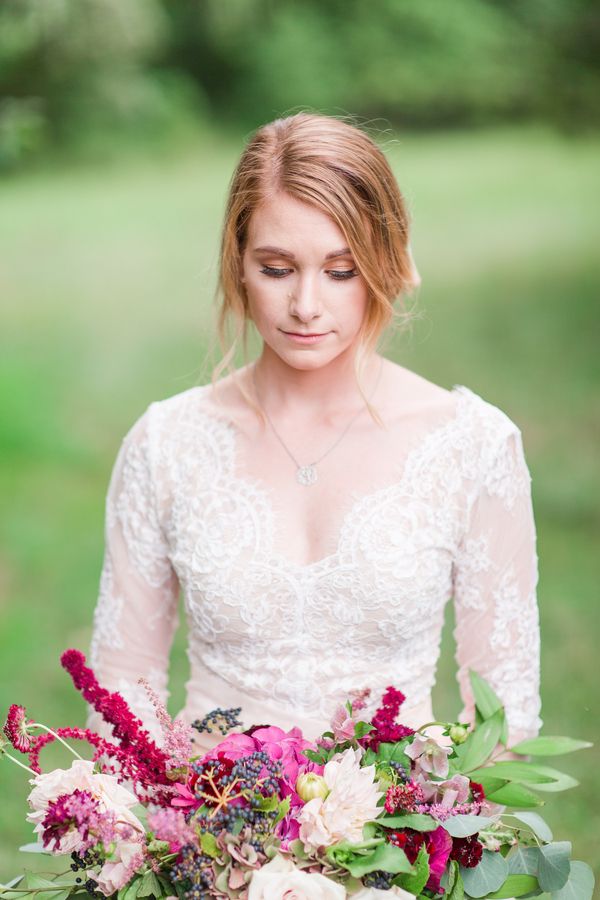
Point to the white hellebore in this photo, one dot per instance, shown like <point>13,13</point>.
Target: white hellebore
<point>111,797</point>
<point>281,879</point>
<point>351,801</point>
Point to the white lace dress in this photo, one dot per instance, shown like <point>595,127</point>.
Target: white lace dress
<point>286,642</point>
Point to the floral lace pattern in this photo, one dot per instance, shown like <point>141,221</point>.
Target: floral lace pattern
<point>294,639</point>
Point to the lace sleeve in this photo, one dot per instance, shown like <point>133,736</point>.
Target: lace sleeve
<point>495,576</point>
<point>136,614</point>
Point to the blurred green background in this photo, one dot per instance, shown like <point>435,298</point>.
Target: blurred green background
<point>120,124</point>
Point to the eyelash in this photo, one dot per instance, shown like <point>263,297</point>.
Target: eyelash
<point>336,275</point>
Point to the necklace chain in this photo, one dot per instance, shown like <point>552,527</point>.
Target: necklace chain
<point>308,474</point>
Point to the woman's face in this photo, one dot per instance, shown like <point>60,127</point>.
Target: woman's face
<point>305,295</point>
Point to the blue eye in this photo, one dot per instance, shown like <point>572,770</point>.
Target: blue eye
<point>335,274</point>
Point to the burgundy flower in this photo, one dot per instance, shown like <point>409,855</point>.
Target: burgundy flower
<point>467,851</point>
<point>408,840</point>
<point>439,847</point>
<point>477,792</point>
<point>384,721</point>
<point>403,797</point>
<point>16,729</point>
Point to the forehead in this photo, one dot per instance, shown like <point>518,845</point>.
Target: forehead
<point>294,225</point>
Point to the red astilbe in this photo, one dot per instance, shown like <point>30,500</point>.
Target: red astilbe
<point>386,729</point>
<point>147,764</point>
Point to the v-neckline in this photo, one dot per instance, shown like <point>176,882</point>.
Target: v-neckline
<point>258,487</point>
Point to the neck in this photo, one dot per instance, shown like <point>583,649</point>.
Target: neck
<point>314,392</point>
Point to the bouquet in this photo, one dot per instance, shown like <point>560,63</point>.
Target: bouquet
<point>369,810</point>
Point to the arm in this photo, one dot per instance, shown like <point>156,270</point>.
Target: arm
<point>136,613</point>
<point>495,578</point>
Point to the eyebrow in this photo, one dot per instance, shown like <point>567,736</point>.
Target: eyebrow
<point>278,251</point>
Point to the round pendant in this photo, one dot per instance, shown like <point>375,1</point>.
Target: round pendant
<point>306,475</point>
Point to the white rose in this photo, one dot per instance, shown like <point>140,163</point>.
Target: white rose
<point>352,801</point>
<point>281,879</point>
<point>111,797</point>
<point>119,868</point>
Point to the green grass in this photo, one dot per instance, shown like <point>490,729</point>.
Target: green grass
<point>109,273</point>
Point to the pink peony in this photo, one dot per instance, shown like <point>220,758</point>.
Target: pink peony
<point>110,796</point>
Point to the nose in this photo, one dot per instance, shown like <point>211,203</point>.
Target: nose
<point>304,300</point>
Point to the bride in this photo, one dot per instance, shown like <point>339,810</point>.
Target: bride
<point>319,506</point>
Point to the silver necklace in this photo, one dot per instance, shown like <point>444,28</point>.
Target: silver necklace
<point>307,475</point>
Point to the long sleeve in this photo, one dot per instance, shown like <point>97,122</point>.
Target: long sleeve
<point>495,577</point>
<point>137,610</point>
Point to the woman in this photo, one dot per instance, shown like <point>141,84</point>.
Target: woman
<point>319,506</point>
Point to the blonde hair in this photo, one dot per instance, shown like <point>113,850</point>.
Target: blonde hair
<point>338,168</point>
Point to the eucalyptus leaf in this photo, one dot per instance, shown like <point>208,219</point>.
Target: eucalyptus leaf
<point>38,881</point>
<point>523,860</point>
<point>515,886</point>
<point>536,823</point>
<point>554,866</point>
<point>463,826</point>
<point>487,877</point>
<point>580,884</point>
<point>479,745</point>
<point>11,884</point>
<point>547,745</point>
<point>515,795</point>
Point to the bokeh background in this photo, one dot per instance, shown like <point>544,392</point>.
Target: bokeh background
<point>120,124</point>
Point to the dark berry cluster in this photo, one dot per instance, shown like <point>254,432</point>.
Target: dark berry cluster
<point>223,719</point>
<point>401,770</point>
<point>380,880</point>
<point>83,861</point>
<point>193,871</point>
<point>467,851</point>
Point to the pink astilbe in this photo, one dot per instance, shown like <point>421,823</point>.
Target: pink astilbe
<point>384,721</point>
<point>177,735</point>
<point>147,763</point>
<point>74,812</point>
<point>170,825</point>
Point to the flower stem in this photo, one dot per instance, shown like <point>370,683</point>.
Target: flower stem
<point>57,736</point>
<point>18,763</point>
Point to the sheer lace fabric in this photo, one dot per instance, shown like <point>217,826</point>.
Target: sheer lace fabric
<point>284,641</point>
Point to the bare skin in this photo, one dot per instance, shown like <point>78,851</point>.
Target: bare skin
<point>309,390</point>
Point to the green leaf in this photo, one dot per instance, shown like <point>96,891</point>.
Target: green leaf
<point>362,728</point>
<point>417,821</point>
<point>554,866</point>
<point>536,823</point>
<point>284,808</point>
<point>560,781</point>
<point>132,889</point>
<point>463,826</point>
<point>580,884</point>
<point>38,881</point>
<point>208,842</point>
<point>490,785</point>
<point>515,886</point>
<point>515,795</point>
<point>515,770</point>
<point>385,856</point>
<point>150,886</point>
<point>486,700</point>
<point>546,745</point>
<point>415,883</point>
<point>488,876</point>
<point>479,745</point>
<point>523,861</point>
<point>457,888</point>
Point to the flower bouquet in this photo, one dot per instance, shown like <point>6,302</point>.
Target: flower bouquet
<point>369,807</point>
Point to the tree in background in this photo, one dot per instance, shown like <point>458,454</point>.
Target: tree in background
<point>72,71</point>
